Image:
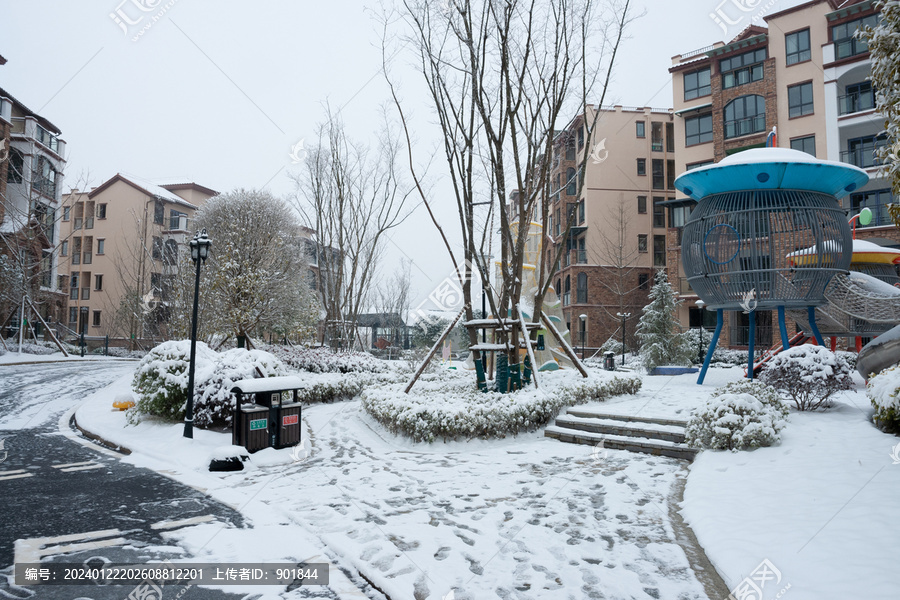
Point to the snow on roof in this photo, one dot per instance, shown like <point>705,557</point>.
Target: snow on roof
<point>867,246</point>
<point>155,190</point>
<point>269,384</point>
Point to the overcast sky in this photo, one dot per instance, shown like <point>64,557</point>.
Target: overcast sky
<point>219,92</point>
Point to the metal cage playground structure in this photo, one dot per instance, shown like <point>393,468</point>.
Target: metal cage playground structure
<point>768,233</point>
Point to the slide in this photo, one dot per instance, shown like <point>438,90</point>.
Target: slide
<point>880,353</point>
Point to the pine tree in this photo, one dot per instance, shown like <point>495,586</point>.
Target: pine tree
<point>661,341</point>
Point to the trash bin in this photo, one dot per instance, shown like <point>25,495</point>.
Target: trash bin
<point>609,360</point>
<point>250,428</point>
<point>287,432</point>
<point>276,402</point>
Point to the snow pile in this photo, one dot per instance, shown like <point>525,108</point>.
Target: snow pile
<point>742,414</point>
<point>809,375</point>
<point>213,400</point>
<point>883,390</point>
<point>452,408</point>
<point>323,360</point>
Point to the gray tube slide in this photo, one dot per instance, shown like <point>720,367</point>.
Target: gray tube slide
<point>880,353</point>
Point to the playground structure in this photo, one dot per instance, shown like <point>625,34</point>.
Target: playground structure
<point>768,233</point>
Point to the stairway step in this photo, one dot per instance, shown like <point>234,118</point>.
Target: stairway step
<point>589,413</point>
<point>670,433</point>
<point>620,442</point>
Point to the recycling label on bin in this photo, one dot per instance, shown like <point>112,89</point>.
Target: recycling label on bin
<point>258,424</point>
<point>290,420</point>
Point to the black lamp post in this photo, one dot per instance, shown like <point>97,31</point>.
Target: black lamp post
<point>583,318</point>
<point>199,251</point>
<point>623,316</point>
<point>700,304</point>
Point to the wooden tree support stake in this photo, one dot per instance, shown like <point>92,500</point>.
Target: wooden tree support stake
<point>565,345</point>
<point>433,351</point>
<point>534,365</point>
<point>50,331</point>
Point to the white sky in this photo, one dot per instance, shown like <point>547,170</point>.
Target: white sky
<point>219,92</point>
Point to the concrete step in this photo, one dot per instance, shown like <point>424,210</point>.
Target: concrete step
<point>592,413</point>
<point>669,433</point>
<point>619,442</point>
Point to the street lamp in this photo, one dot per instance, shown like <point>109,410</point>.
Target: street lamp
<point>583,318</point>
<point>199,252</point>
<point>623,316</point>
<point>700,304</point>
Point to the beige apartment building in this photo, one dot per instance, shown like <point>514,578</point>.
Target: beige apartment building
<point>618,234</point>
<point>120,253</point>
<point>805,74</point>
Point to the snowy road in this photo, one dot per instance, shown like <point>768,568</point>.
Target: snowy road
<point>56,492</point>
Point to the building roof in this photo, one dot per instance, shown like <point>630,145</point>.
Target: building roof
<point>44,122</point>
<point>189,186</point>
<point>149,188</point>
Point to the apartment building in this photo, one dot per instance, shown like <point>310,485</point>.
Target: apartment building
<point>804,74</point>
<point>120,253</point>
<point>32,162</point>
<point>617,237</point>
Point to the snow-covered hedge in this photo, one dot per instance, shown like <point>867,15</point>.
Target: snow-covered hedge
<point>161,379</point>
<point>809,375</point>
<point>213,400</point>
<point>451,408</point>
<point>742,414</point>
<point>323,360</point>
<point>884,391</point>
<point>32,348</point>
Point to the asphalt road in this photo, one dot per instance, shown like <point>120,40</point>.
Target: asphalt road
<point>65,502</point>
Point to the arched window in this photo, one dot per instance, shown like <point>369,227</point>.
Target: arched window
<point>571,182</point>
<point>581,289</point>
<point>567,293</point>
<point>558,289</point>
<point>745,115</point>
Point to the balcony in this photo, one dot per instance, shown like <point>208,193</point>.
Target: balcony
<point>856,102</point>
<point>863,157</point>
<point>581,257</point>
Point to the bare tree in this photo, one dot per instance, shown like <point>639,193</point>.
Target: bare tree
<point>352,197</point>
<point>392,298</point>
<point>501,75</point>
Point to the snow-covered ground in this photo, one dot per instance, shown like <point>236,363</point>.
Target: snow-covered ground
<point>530,517</point>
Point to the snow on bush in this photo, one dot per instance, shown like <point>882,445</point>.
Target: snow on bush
<point>323,360</point>
<point>883,390</point>
<point>809,375</point>
<point>449,407</point>
<point>161,379</point>
<point>213,400</point>
<point>742,414</point>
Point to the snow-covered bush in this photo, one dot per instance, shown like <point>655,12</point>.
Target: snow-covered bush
<point>329,388</point>
<point>849,358</point>
<point>449,407</point>
<point>213,400</point>
<point>323,360</point>
<point>884,391</point>
<point>742,414</point>
<point>161,379</point>
<point>809,375</point>
<point>31,348</point>
<point>611,345</point>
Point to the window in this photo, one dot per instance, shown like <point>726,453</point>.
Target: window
<point>580,138</point>
<point>642,166</point>
<point>742,68</point>
<point>845,42</point>
<point>311,279</point>
<point>16,166</point>
<point>101,211</point>
<point>571,182</point>
<point>659,250</point>
<point>643,281</point>
<point>96,319</point>
<point>557,188</point>
<point>640,129</point>
<point>642,205</point>
<point>86,293</point>
<point>570,148</point>
<point>670,174</point>
<point>47,139</point>
<point>800,100</point>
<point>697,165</point>
<point>581,213</point>
<point>46,268</point>
<point>157,248</point>
<point>581,289</point>
<point>44,177</point>
<point>877,201</point>
<point>567,292</point>
<point>861,151</point>
<point>642,242</point>
<point>159,212</point>
<point>659,212</point>
<point>557,221</point>
<point>678,215</point>
<point>101,244</point>
<point>64,249</point>
<point>67,210</point>
<point>858,97</point>
<point>177,220</point>
<point>805,144</point>
<point>796,47</point>
<point>98,282</point>
<point>659,174</point>
<point>73,315</point>
<point>670,137</point>
<point>656,137</point>
<point>696,84</point>
<point>170,255</point>
<point>698,130</point>
<point>76,251</point>
<point>745,115</point>
<point>156,283</point>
